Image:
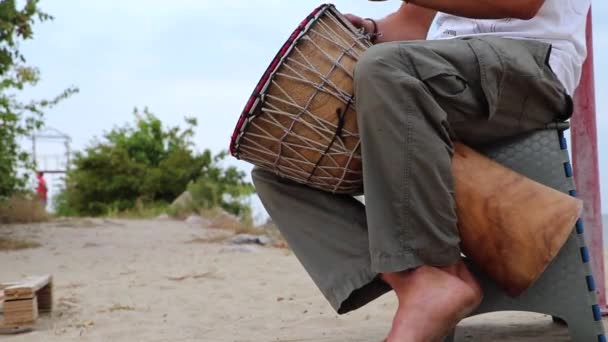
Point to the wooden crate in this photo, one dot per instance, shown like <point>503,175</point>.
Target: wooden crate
<point>22,301</point>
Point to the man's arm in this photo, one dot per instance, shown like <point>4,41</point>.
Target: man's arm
<point>413,19</point>
<point>484,9</point>
<point>409,22</point>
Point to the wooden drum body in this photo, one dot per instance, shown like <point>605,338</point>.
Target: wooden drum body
<point>510,225</point>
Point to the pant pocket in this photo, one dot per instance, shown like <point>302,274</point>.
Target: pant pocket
<point>521,91</point>
<point>456,95</point>
<point>456,89</point>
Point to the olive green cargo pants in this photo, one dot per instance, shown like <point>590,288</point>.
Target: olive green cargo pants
<point>413,99</point>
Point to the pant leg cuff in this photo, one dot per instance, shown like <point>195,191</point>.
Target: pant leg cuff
<point>391,263</point>
<point>356,291</point>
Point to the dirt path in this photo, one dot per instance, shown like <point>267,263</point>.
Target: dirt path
<point>159,281</point>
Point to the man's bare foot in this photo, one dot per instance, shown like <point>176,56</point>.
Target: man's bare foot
<point>431,301</point>
<point>461,271</point>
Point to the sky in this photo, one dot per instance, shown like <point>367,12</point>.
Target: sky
<point>196,58</point>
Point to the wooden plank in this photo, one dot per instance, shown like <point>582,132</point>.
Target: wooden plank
<point>27,288</point>
<point>5,285</point>
<point>14,329</point>
<point>18,312</point>
<point>45,298</point>
<point>21,302</point>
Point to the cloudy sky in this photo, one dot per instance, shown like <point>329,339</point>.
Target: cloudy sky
<point>197,58</point>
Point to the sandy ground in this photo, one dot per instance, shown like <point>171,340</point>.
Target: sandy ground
<point>121,280</point>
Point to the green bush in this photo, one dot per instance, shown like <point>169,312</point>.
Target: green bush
<point>221,188</point>
<point>136,166</point>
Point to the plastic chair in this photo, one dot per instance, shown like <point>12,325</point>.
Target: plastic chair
<point>566,290</point>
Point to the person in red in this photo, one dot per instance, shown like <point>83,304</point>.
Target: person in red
<point>42,189</point>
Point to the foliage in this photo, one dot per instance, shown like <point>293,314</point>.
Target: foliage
<point>18,119</point>
<point>221,188</point>
<point>137,166</point>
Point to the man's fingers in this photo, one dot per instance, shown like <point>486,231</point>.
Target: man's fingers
<point>357,21</point>
<point>360,23</point>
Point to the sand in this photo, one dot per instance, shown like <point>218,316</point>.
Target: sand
<point>158,280</point>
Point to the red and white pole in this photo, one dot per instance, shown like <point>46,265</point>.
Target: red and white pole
<point>585,159</point>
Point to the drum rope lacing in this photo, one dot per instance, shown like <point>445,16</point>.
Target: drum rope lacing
<point>319,87</point>
<point>337,134</point>
<point>276,105</point>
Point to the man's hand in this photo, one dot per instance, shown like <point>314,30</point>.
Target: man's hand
<point>360,23</point>
<point>387,29</point>
<point>408,23</point>
<point>366,24</point>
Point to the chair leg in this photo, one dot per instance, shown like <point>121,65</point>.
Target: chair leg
<point>583,329</point>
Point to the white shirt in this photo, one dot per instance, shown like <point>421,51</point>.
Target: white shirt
<point>561,23</point>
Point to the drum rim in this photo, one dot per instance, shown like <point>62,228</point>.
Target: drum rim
<point>256,99</point>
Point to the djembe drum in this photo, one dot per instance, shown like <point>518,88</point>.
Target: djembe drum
<point>300,123</point>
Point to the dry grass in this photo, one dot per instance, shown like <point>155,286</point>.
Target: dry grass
<point>273,232</point>
<point>21,209</point>
<point>250,230</point>
<point>221,219</point>
<point>212,239</point>
<point>210,275</point>
<point>118,307</point>
<point>17,244</point>
<point>141,210</point>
